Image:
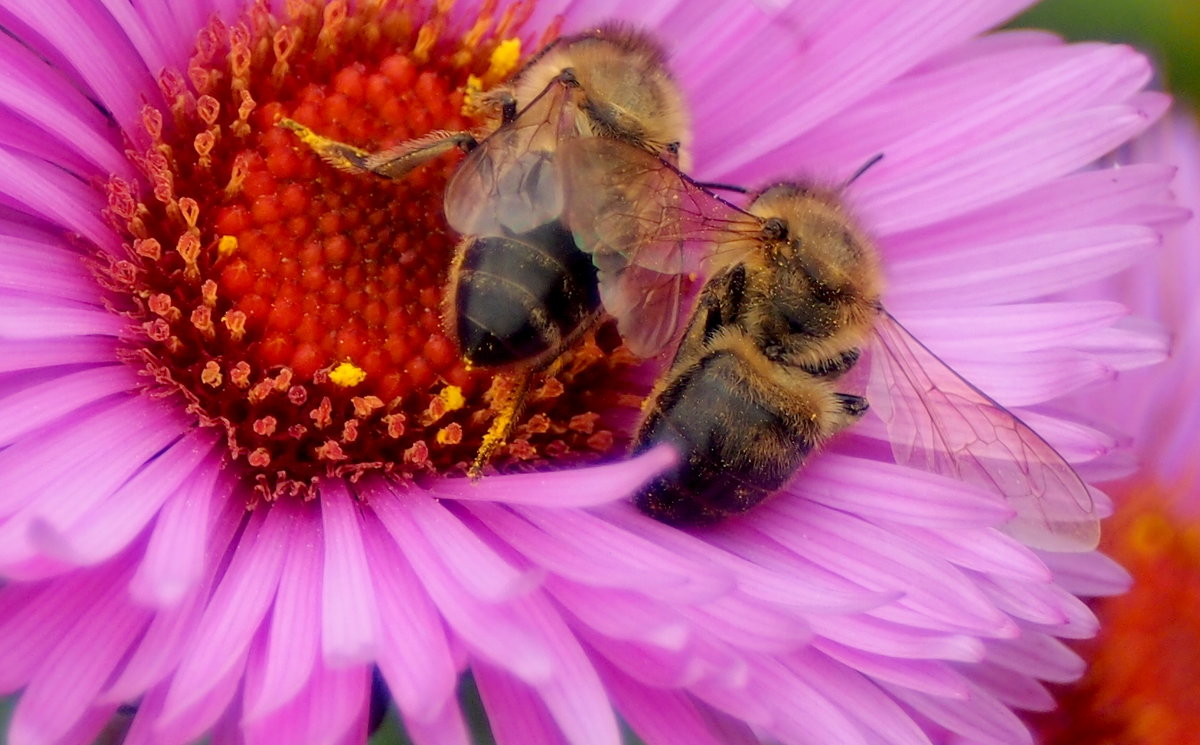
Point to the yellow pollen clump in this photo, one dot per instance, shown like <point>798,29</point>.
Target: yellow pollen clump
<point>227,245</point>
<point>453,397</point>
<point>505,58</point>
<point>347,375</point>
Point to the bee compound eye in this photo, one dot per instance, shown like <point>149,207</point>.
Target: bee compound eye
<point>775,229</point>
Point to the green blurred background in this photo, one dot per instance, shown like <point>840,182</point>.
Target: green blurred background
<point>1167,29</point>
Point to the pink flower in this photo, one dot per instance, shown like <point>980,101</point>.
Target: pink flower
<point>868,603</point>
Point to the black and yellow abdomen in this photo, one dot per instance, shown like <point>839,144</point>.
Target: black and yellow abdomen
<point>520,299</point>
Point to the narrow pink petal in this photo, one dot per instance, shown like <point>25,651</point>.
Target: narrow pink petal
<point>755,626</point>
<point>43,266</point>
<point>934,677</point>
<point>490,630</point>
<point>516,714</point>
<point>31,318</point>
<point>414,655</point>
<point>873,490</point>
<point>1128,345</point>
<point>1013,689</point>
<point>1014,327</point>
<point>894,640</point>
<point>191,724</point>
<point>579,487</point>
<point>69,678</point>
<point>857,695</point>
<point>174,626</point>
<point>921,119</point>
<point>1034,377</point>
<point>55,195</point>
<point>1089,575</point>
<point>348,611</point>
<point>58,109</point>
<point>35,617</point>
<point>88,728</point>
<point>447,728</point>
<point>838,65</point>
<point>31,354</point>
<point>574,696</point>
<point>35,406</point>
<point>134,27</point>
<point>592,551</point>
<point>241,599</point>
<point>664,717</point>
<point>176,555</point>
<point>878,560</point>
<point>986,720</point>
<point>801,710</point>
<point>984,550</point>
<point>476,565</point>
<point>76,482</point>
<point>116,77</point>
<point>1037,655</point>
<point>1043,604</point>
<point>1091,253</point>
<point>623,615</point>
<point>99,533</point>
<point>332,703</point>
<point>983,175</point>
<point>781,577</point>
<point>290,650</point>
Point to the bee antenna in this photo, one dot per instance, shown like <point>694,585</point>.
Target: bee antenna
<point>717,186</point>
<point>863,169</point>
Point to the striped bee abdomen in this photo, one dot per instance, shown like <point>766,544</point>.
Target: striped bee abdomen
<point>521,298</point>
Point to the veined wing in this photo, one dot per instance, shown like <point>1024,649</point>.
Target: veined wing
<point>939,422</point>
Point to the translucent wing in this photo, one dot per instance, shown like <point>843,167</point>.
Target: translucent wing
<point>512,183</point>
<point>939,422</point>
<point>647,305</point>
<point>622,201</point>
<point>647,225</point>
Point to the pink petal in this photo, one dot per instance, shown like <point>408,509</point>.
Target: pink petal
<point>167,639</point>
<point>578,487</point>
<point>980,176</point>
<point>934,677</point>
<point>68,679</point>
<point>414,655</point>
<point>490,630</point>
<point>515,713</point>
<point>478,567</point>
<point>448,728</point>
<point>176,555</point>
<point>48,402</point>
<point>289,652</point>
<point>238,605</point>
<point>348,611</point>
<point>31,354</point>
<point>102,531</point>
<point>333,703</point>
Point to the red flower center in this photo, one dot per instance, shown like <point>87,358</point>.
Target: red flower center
<point>299,308</point>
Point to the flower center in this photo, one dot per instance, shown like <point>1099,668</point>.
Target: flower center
<point>299,308</point>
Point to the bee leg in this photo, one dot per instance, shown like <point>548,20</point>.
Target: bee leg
<point>502,425</point>
<point>392,163</point>
<point>853,406</point>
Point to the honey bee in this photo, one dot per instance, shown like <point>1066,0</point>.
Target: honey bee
<point>523,286</point>
<point>758,381</point>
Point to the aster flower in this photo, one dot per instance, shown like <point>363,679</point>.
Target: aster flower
<point>232,429</point>
<point>1138,689</point>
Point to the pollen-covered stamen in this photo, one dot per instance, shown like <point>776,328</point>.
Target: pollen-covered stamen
<point>296,307</point>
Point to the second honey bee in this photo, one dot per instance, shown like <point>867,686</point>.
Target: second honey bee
<point>759,380</point>
<point>521,289</point>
